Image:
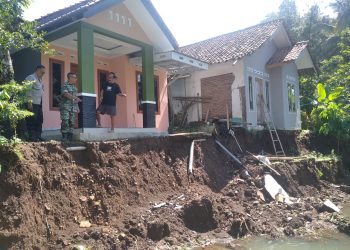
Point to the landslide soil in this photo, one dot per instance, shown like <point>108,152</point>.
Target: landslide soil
<point>137,194</point>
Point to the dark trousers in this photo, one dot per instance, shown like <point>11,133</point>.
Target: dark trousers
<point>35,122</point>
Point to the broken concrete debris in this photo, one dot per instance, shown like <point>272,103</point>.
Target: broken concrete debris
<point>264,160</point>
<point>331,205</point>
<point>275,190</point>
<point>85,224</point>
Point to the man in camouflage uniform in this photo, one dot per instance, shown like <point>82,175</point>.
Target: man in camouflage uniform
<point>69,106</point>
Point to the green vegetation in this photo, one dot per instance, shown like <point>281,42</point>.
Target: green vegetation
<point>324,102</point>
<point>15,34</point>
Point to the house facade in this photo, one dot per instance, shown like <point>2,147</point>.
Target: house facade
<point>95,37</point>
<point>251,73</point>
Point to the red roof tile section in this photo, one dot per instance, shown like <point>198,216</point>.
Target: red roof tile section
<point>289,54</point>
<point>233,45</point>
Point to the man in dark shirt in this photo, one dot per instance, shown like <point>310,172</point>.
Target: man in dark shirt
<point>109,92</point>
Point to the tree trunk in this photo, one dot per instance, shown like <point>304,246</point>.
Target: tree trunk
<point>6,68</point>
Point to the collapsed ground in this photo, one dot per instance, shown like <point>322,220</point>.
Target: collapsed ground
<point>137,194</point>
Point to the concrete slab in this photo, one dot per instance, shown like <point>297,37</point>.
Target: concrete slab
<point>104,134</point>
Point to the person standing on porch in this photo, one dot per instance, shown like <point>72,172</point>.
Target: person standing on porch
<point>69,107</point>
<point>35,95</point>
<point>109,92</point>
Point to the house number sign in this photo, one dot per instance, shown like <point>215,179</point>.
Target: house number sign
<point>119,18</point>
<point>258,72</point>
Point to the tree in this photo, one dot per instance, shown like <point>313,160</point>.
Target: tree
<point>331,115</point>
<point>16,33</point>
<point>342,7</point>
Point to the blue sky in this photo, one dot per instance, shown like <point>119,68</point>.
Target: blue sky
<point>195,20</point>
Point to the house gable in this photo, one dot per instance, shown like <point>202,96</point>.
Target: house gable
<point>136,19</point>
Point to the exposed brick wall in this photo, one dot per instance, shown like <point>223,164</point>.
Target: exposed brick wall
<point>219,89</point>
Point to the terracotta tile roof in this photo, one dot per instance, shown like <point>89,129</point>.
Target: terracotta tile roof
<point>233,45</point>
<point>288,54</point>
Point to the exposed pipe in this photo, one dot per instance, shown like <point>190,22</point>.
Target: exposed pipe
<point>190,163</point>
<point>229,153</point>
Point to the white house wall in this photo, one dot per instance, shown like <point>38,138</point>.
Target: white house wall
<point>278,95</point>
<point>290,75</point>
<point>254,65</point>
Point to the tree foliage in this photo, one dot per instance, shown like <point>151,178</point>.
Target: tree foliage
<point>15,33</point>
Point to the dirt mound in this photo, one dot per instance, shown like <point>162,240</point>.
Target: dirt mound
<point>136,194</point>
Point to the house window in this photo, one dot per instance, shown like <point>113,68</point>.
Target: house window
<point>291,98</point>
<point>267,95</point>
<point>251,98</point>
<point>139,91</point>
<point>56,81</point>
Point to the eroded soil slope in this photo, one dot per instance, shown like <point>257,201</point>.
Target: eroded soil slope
<point>137,194</point>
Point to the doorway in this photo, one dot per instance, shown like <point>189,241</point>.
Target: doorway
<point>260,102</point>
<point>102,76</point>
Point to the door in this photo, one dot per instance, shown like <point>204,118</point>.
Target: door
<point>260,102</point>
<point>74,69</point>
<point>102,76</point>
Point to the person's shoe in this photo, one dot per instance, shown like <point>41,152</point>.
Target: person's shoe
<point>64,137</point>
<point>41,139</point>
<point>111,130</point>
<point>70,136</point>
<point>98,126</point>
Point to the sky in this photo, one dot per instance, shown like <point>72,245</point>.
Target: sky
<point>196,20</point>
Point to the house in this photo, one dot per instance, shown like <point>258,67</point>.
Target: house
<point>251,71</point>
<point>94,37</point>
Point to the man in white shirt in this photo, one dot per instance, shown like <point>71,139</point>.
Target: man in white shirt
<point>35,96</point>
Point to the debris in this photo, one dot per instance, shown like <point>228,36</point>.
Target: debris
<point>264,160</point>
<point>97,203</point>
<point>279,196</point>
<point>83,198</point>
<point>92,197</point>
<point>159,205</point>
<point>85,224</point>
<point>331,205</point>
<point>80,148</point>
<point>181,197</point>
<point>47,207</point>
<point>273,188</point>
<point>260,195</point>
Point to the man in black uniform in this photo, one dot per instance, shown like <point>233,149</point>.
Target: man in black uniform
<point>109,92</point>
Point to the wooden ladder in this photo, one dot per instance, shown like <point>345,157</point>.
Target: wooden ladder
<point>276,142</point>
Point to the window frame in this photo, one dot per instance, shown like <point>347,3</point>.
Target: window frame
<point>51,62</point>
<point>294,107</point>
<point>156,78</point>
<point>251,93</point>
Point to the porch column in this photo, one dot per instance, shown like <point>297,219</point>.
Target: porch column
<point>87,115</point>
<point>148,103</point>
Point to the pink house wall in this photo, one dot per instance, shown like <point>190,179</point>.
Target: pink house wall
<point>127,115</point>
